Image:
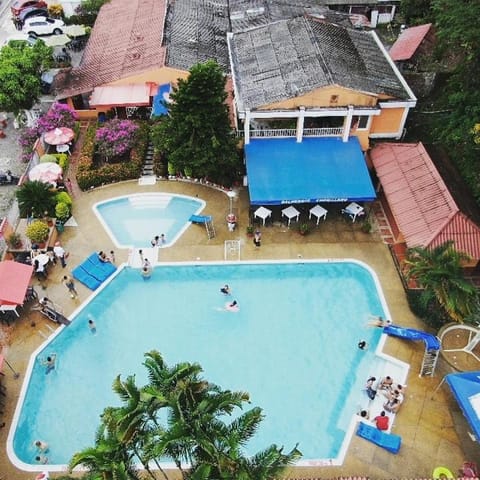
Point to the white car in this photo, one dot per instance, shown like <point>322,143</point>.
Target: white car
<point>43,26</point>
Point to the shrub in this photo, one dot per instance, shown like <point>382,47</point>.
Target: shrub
<point>62,211</point>
<point>116,138</point>
<point>59,115</point>
<point>35,198</point>
<point>64,197</point>
<point>27,140</point>
<point>37,231</point>
<point>14,240</point>
<point>55,10</point>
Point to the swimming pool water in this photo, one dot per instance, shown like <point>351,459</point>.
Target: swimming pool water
<point>133,220</point>
<point>292,346</point>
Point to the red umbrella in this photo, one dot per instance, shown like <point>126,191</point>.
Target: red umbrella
<point>59,136</point>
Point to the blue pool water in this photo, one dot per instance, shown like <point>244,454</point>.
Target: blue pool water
<point>133,220</point>
<point>292,346</point>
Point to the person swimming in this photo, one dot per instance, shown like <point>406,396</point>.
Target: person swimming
<point>377,321</point>
<point>225,290</point>
<point>232,306</point>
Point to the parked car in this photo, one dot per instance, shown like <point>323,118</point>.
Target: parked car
<point>32,12</point>
<point>43,26</point>
<point>20,37</point>
<point>20,5</point>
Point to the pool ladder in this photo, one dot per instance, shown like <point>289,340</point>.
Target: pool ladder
<point>429,363</point>
<point>210,229</point>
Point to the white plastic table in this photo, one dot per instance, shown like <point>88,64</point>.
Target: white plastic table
<point>353,210</point>
<point>319,212</point>
<point>63,148</point>
<point>291,212</point>
<point>262,213</point>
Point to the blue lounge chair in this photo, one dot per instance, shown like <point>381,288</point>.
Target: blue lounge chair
<point>200,218</point>
<point>388,441</point>
<point>84,277</point>
<point>107,267</point>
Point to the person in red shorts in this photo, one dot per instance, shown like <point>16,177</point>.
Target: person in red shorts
<point>381,421</point>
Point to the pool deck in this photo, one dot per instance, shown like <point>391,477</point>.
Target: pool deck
<point>426,419</point>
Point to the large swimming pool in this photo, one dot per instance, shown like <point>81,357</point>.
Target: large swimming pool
<point>292,346</point>
<point>133,220</point>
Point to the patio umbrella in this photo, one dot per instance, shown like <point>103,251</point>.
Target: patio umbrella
<point>74,30</point>
<point>57,40</point>
<point>48,158</point>
<point>59,136</point>
<point>48,172</point>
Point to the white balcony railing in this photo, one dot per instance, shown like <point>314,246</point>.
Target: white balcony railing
<point>292,132</point>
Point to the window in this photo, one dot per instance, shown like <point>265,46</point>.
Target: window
<point>360,122</point>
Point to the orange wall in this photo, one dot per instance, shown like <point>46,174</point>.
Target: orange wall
<point>158,75</point>
<point>321,98</point>
<point>362,136</point>
<point>388,121</point>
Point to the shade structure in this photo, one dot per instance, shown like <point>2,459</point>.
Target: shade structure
<point>135,95</point>
<point>57,40</point>
<point>59,136</point>
<point>74,30</point>
<point>466,389</point>
<point>160,100</point>
<point>282,170</point>
<point>14,281</point>
<point>47,172</point>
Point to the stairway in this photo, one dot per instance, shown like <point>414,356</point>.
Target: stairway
<point>148,175</point>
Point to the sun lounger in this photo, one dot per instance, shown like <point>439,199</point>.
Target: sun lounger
<point>107,267</point>
<point>84,277</point>
<point>388,441</point>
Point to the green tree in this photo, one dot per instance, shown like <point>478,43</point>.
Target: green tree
<point>416,12</point>
<point>36,198</point>
<point>87,11</point>
<point>196,136</point>
<point>439,272</point>
<point>21,66</point>
<point>458,32</point>
<point>181,416</point>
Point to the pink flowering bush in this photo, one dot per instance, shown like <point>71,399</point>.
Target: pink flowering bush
<point>115,138</point>
<point>59,115</point>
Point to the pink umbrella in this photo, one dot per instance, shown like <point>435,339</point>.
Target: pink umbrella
<point>47,172</point>
<point>59,136</point>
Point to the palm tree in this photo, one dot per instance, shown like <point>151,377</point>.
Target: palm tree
<point>108,460</point>
<point>439,272</point>
<point>36,198</point>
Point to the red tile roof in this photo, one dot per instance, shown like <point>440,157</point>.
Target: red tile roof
<point>424,209</point>
<point>126,40</point>
<point>408,42</point>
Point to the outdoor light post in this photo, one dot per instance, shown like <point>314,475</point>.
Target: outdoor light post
<point>231,195</point>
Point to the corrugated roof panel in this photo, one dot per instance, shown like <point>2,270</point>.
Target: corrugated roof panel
<point>408,42</point>
<point>423,208</point>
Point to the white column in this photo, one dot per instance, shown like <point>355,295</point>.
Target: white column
<point>246,127</point>
<point>347,124</point>
<point>300,121</point>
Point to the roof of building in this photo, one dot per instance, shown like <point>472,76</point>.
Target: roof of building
<point>132,47</point>
<point>293,57</point>
<point>196,31</point>
<point>408,41</point>
<point>423,207</point>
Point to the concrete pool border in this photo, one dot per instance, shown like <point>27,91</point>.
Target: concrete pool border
<point>337,461</point>
<point>169,242</point>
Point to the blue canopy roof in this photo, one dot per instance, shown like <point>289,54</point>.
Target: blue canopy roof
<point>466,388</point>
<point>160,100</point>
<point>282,170</point>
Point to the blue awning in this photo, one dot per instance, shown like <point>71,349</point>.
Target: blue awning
<point>160,100</point>
<point>466,389</point>
<point>284,171</point>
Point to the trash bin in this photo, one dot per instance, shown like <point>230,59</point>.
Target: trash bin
<point>59,226</point>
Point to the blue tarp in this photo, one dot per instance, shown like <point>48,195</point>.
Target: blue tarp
<point>160,100</point>
<point>281,170</point>
<point>466,389</point>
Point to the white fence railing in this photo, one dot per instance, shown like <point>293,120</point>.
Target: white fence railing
<point>292,132</point>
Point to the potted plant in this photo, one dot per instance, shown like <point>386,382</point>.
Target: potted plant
<point>304,228</point>
<point>37,232</point>
<point>250,230</point>
<point>366,227</point>
<point>14,241</point>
